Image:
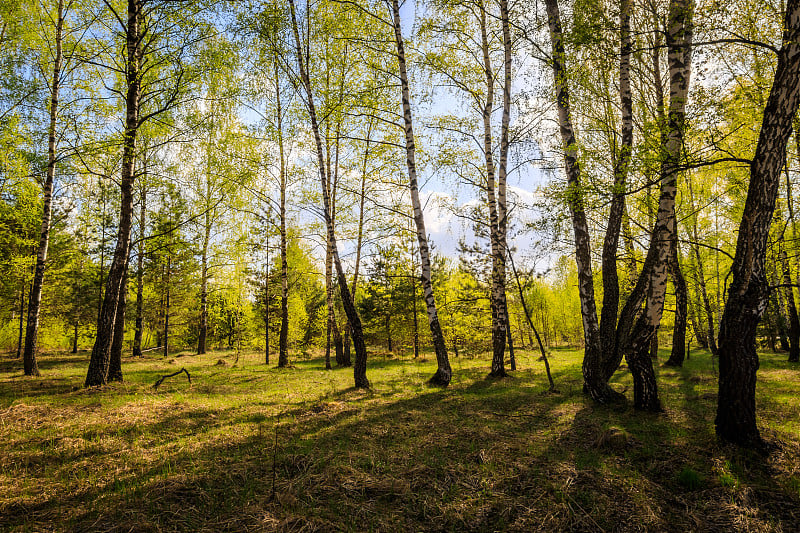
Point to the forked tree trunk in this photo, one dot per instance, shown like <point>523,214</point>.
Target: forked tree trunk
<point>97,373</point>
<point>502,177</point>
<point>360,366</point>
<point>34,302</point>
<point>595,382</point>
<point>748,292</point>
<point>443,372</point>
<point>637,350</point>
<point>611,292</point>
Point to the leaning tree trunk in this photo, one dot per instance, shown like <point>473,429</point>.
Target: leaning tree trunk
<point>115,364</point>
<point>530,323</point>
<point>748,290</point>
<point>34,302</point>
<point>595,382</point>
<point>443,372</point>
<point>637,350</point>
<point>101,351</point>
<point>346,360</point>
<point>360,366</point>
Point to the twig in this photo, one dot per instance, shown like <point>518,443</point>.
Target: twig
<point>162,378</point>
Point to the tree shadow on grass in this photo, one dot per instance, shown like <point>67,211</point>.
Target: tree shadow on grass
<point>479,456</point>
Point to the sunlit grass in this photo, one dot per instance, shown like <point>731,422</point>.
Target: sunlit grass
<point>480,455</point>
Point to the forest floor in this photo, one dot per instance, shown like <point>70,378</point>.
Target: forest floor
<point>482,455</point>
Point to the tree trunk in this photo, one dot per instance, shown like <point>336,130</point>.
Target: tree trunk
<point>679,41</point>
<point>512,360</point>
<point>530,323</point>
<point>266,307</point>
<point>201,341</point>
<point>416,321</point>
<point>328,303</point>
<point>678,353</point>
<point>34,302</point>
<point>21,318</point>
<point>791,310</point>
<point>748,290</point>
<point>167,305</point>
<point>444,372</point>
<point>388,324</point>
<point>497,299</point>
<point>101,352</point>
<point>595,382</point>
<point>115,363</point>
<point>75,338</point>
<point>338,343</point>
<point>611,293</point>
<point>139,324</point>
<point>283,336</point>
<point>794,321</point>
<point>360,366</point>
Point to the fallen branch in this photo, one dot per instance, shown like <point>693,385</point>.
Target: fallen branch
<point>162,378</point>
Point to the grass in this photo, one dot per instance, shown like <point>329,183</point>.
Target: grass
<point>482,455</point>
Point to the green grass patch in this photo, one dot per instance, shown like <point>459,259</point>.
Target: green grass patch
<point>481,455</point>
